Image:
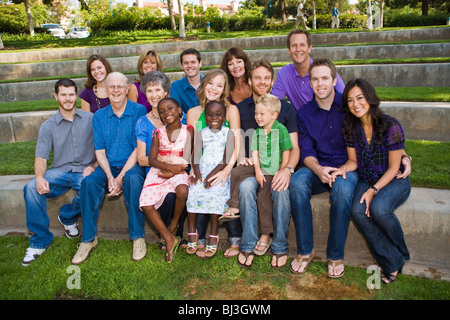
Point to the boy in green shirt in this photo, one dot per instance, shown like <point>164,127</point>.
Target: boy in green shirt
<point>270,149</point>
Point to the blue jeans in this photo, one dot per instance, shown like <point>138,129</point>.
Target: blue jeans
<point>249,217</point>
<point>92,194</point>
<point>383,232</point>
<point>36,205</point>
<point>304,183</point>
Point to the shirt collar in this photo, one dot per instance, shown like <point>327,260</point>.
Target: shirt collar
<point>337,102</point>
<point>127,111</point>
<point>60,118</point>
<point>186,83</point>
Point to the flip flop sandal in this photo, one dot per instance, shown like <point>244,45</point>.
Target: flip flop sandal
<point>174,250</point>
<point>265,245</point>
<point>229,215</point>
<point>231,252</point>
<point>300,261</point>
<point>246,255</point>
<point>333,265</point>
<point>278,256</point>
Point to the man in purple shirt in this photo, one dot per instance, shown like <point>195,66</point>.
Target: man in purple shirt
<point>293,80</point>
<point>322,151</point>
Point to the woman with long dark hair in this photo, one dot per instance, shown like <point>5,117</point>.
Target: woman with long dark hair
<point>375,143</point>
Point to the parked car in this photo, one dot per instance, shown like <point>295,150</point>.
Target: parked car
<point>55,29</point>
<point>78,32</point>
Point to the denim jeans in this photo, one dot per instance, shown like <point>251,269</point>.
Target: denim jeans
<point>92,194</point>
<point>304,183</point>
<point>36,205</point>
<point>249,217</point>
<point>383,232</point>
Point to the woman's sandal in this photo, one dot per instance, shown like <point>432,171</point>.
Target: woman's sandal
<point>388,278</point>
<point>191,247</point>
<point>229,214</point>
<point>174,251</point>
<point>211,249</point>
<point>333,265</point>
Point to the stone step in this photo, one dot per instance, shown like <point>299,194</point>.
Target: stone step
<point>420,120</point>
<point>380,75</point>
<point>375,36</point>
<point>126,64</point>
<point>425,219</point>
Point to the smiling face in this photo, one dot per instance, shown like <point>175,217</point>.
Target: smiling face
<point>261,81</point>
<point>66,98</point>
<point>117,89</point>
<point>154,94</point>
<point>236,67</point>
<point>149,64</point>
<point>322,82</point>
<point>264,118</point>
<point>214,88</point>
<point>215,115</point>
<point>190,65</point>
<point>299,48</point>
<point>169,112</point>
<point>98,70</point>
<point>357,103</point>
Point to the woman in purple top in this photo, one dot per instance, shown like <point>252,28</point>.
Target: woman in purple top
<point>375,144</point>
<point>95,94</point>
<point>148,61</point>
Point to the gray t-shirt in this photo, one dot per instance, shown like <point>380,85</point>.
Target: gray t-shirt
<point>72,142</point>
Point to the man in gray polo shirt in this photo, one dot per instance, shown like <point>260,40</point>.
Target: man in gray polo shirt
<point>69,134</point>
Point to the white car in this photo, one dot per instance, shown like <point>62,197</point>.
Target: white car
<point>55,30</point>
<point>78,32</point>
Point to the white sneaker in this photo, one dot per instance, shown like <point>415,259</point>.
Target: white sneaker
<point>71,230</point>
<point>31,255</point>
<point>139,249</point>
<point>84,249</point>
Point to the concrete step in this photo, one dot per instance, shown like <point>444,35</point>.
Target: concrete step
<point>129,63</point>
<point>425,218</point>
<point>420,120</point>
<point>380,75</point>
<point>375,36</point>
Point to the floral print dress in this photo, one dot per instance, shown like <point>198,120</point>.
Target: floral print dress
<point>212,200</point>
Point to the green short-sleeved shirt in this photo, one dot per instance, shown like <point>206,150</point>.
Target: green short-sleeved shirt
<point>271,147</point>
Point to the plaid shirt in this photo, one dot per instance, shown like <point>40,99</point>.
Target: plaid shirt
<point>373,159</point>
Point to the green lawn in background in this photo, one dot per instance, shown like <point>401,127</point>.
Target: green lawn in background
<point>18,158</point>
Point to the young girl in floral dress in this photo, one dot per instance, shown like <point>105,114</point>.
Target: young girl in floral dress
<point>214,146</point>
<point>168,158</point>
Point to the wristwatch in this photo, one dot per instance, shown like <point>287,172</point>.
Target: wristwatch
<point>374,189</point>
<point>290,169</point>
<point>121,177</point>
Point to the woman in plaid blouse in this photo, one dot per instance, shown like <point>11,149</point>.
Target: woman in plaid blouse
<point>375,143</point>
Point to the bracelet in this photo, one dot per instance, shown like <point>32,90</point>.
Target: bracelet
<point>407,156</point>
<point>374,189</point>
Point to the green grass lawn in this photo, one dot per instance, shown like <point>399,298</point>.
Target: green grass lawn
<point>110,273</point>
<point>18,158</point>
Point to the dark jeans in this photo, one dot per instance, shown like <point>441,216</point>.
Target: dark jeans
<point>383,232</point>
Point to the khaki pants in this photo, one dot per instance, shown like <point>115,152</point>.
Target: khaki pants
<point>334,22</point>
<point>301,19</point>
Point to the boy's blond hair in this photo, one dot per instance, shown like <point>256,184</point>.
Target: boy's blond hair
<point>272,103</point>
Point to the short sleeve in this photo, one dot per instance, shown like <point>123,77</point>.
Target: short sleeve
<point>395,136</point>
<point>285,139</point>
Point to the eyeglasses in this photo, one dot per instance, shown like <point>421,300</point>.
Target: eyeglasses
<point>117,87</point>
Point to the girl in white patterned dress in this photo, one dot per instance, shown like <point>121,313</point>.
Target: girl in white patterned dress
<point>214,146</point>
<point>168,158</point>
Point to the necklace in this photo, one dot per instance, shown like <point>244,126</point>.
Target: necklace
<point>155,117</point>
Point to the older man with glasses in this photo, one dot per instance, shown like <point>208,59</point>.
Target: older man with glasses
<point>118,170</point>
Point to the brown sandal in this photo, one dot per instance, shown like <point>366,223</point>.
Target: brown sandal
<point>333,265</point>
<point>302,260</point>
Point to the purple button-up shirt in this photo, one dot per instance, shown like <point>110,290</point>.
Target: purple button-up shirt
<point>320,133</point>
<point>297,88</point>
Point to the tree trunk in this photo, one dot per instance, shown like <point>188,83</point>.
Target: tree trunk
<point>182,33</point>
<point>1,43</point>
<point>314,25</point>
<point>172,18</point>
<point>369,15</point>
<point>29,17</point>
<point>283,11</point>
<point>424,7</point>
